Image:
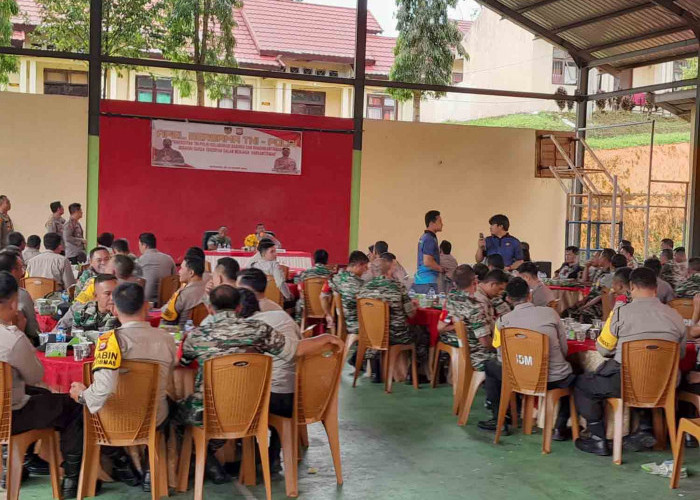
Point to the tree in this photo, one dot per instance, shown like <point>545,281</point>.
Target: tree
<point>691,69</point>
<point>425,49</point>
<point>561,103</point>
<point>201,32</point>
<point>8,64</point>
<point>129,28</point>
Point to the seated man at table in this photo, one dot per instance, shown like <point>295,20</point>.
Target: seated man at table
<point>156,265</point>
<point>544,320</point>
<point>590,307</point>
<point>320,270</point>
<point>34,408</point>
<point>97,314</point>
<point>628,252</point>
<point>266,261</point>
<point>134,340</point>
<point>542,296</point>
<point>489,293</point>
<point>99,258</point>
<point>219,240</point>
<point>691,286</point>
<point>620,288</point>
<point>253,239</point>
<point>178,310</point>
<point>225,273</point>
<point>123,269</point>
<point>399,273</point>
<point>571,268</point>
<point>121,247</point>
<point>645,318</point>
<point>495,261</point>
<point>664,291</point>
<point>51,264</point>
<point>670,272</point>
<point>12,263</point>
<point>401,308</point>
<point>33,248</point>
<point>461,306</point>
<point>256,281</point>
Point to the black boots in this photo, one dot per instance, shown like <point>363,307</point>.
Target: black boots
<point>123,469</point>
<point>214,470</point>
<point>376,364</point>
<point>71,469</point>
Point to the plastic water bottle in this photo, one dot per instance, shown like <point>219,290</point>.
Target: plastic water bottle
<point>411,294</point>
<point>431,296</point>
<point>541,275</point>
<point>61,334</point>
<point>189,326</point>
<point>65,297</point>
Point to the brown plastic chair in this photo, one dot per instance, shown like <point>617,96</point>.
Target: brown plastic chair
<point>198,313</point>
<point>373,315</point>
<point>341,328</point>
<point>272,292</point>
<point>683,306</point>
<point>236,393</point>
<point>38,287</point>
<point>285,271</point>
<point>648,377</point>
<point>692,427</point>
<point>525,371</point>
<point>690,397</point>
<point>607,299</point>
<point>207,266</point>
<point>315,400</point>
<point>71,292</point>
<point>458,365</point>
<point>313,309</point>
<point>168,286</point>
<point>17,444</point>
<point>141,281</point>
<point>128,418</point>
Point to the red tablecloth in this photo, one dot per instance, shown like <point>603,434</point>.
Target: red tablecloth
<point>686,364</point>
<point>429,318</point>
<point>46,323</point>
<point>576,346</point>
<point>59,373</point>
<point>294,260</point>
<point>583,289</point>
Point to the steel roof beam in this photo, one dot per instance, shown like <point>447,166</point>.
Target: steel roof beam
<point>603,17</point>
<point>638,38</point>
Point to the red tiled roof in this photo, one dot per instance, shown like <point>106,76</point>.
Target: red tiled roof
<point>29,13</point>
<point>464,26</point>
<point>380,50</point>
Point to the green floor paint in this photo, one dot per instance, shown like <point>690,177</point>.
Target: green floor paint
<point>407,446</point>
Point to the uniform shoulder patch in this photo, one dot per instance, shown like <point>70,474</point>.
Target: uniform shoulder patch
<point>107,352</point>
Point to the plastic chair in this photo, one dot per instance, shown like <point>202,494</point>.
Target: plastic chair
<point>168,286</point>
<point>38,287</point>
<point>458,365</point>
<point>313,309</point>
<point>141,281</point>
<point>198,313</point>
<point>315,400</point>
<point>692,427</point>
<point>648,378</point>
<point>236,392</point>
<point>341,328</point>
<point>128,418</point>
<point>683,306</point>
<point>690,397</point>
<point>525,370</point>
<point>285,270</point>
<point>272,292</point>
<point>373,315</point>
<point>606,299</point>
<point>71,292</point>
<point>17,444</point>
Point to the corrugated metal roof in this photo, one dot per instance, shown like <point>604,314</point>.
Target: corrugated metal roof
<point>593,30</point>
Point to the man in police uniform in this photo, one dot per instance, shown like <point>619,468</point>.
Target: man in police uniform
<point>51,264</point>
<point>56,221</point>
<point>461,306</point>
<point>219,240</point>
<point>99,264</point>
<point>73,236</point>
<point>6,226</point>
<point>135,340</point>
<point>10,262</point>
<point>645,318</point>
<point>541,294</point>
<point>179,308</point>
<point>320,270</point>
<point>691,286</point>
<point>98,314</point>
<point>544,320</point>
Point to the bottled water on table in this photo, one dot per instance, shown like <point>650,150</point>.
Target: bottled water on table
<point>61,334</point>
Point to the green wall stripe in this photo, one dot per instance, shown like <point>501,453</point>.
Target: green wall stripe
<point>93,175</point>
<point>355,198</point>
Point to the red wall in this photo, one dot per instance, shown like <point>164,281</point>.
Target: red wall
<point>306,212</point>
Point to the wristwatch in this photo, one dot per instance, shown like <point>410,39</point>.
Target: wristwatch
<point>81,398</point>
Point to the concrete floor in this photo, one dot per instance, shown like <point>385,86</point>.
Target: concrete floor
<point>407,446</point>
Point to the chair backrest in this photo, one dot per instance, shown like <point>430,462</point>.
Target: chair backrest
<point>683,306</point>
<point>285,270</point>
<point>317,380</point>
<point>5,402</point>
<point>525,360</point>
<point>129,415</point>
<point>207,266</point>
<point>236,394</point>
<point>373,315</point>
<point>71,291</point>
<point>205,238</point>
<point>649,372</point>
<point>341,329</point>
<point>199,312</point>
<point>38,287</point>
<point>312,297</point>
<point>272,292</point>
<point>606,300</point>
<point>168,286</point>
<point>462,335</point>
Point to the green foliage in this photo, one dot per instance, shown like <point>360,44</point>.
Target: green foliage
<point>201,31</point>
<point>8,64</point>
<point>691,69</point>
<point>425,48</point>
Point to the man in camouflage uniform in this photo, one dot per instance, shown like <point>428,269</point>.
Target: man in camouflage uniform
<point>6,226</point>
<point>219,240</point>
<point>489,294</point>
<point>670,272</point>
<point>347,284</point>
<point>691,286</point>
<point>318,271</point>
<point>99,258</point>
<point>591,307</point>
<point>97,314</point>
<point>461,306</point>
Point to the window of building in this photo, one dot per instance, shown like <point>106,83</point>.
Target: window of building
<point>457,77</point>
<point>564,70</point>
<point>381,107</point>
<point>333,73</point>
<point>158,90</point>
<point>305,102</point>
<point>60,82</point>
<point>241,98</point>
<point>308,71</point>
<point>294,69</point>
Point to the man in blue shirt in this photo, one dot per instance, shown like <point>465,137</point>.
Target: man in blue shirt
<point>428,266</point>
<point>500,242</point>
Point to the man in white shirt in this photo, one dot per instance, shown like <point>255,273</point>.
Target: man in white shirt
<point>155,265</point>
<point>267,263</point>
<point>51,264</point>
<point>256,281</point>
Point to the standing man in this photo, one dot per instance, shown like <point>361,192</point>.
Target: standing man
<point>428,266</point>
<point>51,264</point>
<point>6,226</point>
<point>73,236</point>
<point>56,221</point>
<point>500,242</point>
<point>155,265</point>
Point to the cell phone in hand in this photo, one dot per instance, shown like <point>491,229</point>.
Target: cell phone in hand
<point>481,236</point>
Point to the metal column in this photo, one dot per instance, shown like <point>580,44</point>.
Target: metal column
<point>581,121</point>
<point>94,87</point>
<point>694,236</point>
